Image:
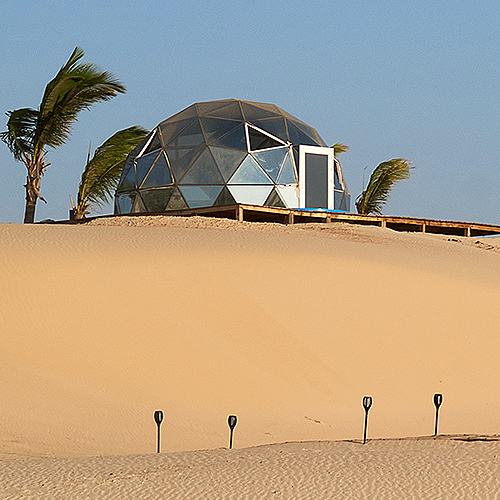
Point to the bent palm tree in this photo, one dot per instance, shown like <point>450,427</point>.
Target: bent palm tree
<point>30,131</point>
<point>382,180</point>
<point>102,171</point>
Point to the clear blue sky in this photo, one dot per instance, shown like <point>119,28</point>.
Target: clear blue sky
<point>418,80</point>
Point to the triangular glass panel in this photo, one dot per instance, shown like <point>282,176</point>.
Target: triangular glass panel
<point>157,199</point>
<point>290,195</point>
<point>225,198</point>
<point>124,202</point>
<point>298,137</point>
<point>206,108</point>
<point>214,128</point>
<point>233,140</point>
<point>257,111</point>
<point>249,172</point>
<point>200,196</point>
<point>227,160</point>
<point>275,126</point>
<point>127,181</point>
<point>253,195</point>
<point>287,174</point>
<point>189,112</point>
<point>274,200</point>
<point>180,159</point>
<point>138,205</point>
<point>144,164</point>
<point>154,144</point>
<point>176,201</point>
<point>170,130</point>
<point>309,131</point>
<point>190,136</point>
<point>203,171</point>
<point>336,179</point>
<point>259,140</point>
<point>271,161</point>
<point>159,175</point>
<point>231,111</point>
<point>138,148</point>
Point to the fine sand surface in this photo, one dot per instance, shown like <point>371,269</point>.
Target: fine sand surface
<point>287,327</point>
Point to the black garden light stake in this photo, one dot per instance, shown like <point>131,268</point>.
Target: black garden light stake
<point>158,420</point>
<point>231,421</point>
<point>367,403</point>
<point>438,401</point>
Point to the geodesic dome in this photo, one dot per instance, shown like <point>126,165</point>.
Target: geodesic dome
<point>220,153</point>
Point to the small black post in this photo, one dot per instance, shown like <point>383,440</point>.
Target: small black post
<point>231,421</point>
<point>438,401</point>
<point>367,403</point>
<point>158,420</point>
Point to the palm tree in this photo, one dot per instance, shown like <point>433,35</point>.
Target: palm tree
<point>382,180</point>
<point>102,171</point>
<point>30,131</point>
<point>338,148</point>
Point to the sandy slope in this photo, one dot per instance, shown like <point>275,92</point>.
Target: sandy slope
<point>286,327</point>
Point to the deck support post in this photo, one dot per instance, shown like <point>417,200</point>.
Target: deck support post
<point>423,227</point>
<point>383,223</point>
<point>467,231</point>
<point>239,214</point>
<point>290,218</point>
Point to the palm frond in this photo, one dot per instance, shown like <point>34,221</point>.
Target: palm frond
<point>102,172</point>
<point>339,148</point>
<point>382,180</point>
<point>20,131</point>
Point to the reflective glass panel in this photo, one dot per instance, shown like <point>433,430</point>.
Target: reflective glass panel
<point>225,198</point>
<point>271,161</point>
<point>184,114</point>
<point>154,144</point>
<point>309,131</point>
<point>342,201</point>
<point>337,181</point>
<point>257,112</point>
<point>287,174</point>
<point>124,202</point>
<point>156,199</point>
<point>274,126</point>
<point>249,172</point>
<point>200,196</point>
<point>274,200</point>
<point>214,128</point>
<point>298,137</point>
<point>209,107</point>
<point>203,171</point>
<point>128,177</point>
<point>159,175</point>
<point>316,180</point>
<point>254,195</point>
<point>137,149</point>
<point>190,136</point>
<point>258,140</point>
<point>180,159</point>
<point>138,206</point>
<point>176,201</point>
<point>144,164</point>
<point>227,160</point>
<point>234,140</point>
<point>231,111</point>
<point>170,130</point>
<point>290,195</point>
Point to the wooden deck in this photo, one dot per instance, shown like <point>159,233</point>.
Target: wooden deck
<point>256,213</point>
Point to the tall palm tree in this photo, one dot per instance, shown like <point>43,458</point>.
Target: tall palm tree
<point>102,171</point>
<point>382,180</point>
<point>30,131</point>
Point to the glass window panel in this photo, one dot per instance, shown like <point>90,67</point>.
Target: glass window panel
<point>258,140</point>
<point>337,181</point>
<point>342,201</point>
<point>159,175</point>
<point>231,111</point>
<point>200,196</point>
<point>249,172</point>
<point>290,195</point>
<point>209,107</point>
<point>155,143</point>
<point>127,181</point>
<point>225,198</point>
<point>227,160</point>
<point>298,137</point>
<point>203,171</point>
<point>233,140</point>
<point>274,126</point>
<point>180,159</point>
<point>176,201</point>
<point>309,131</point>
<point>253,195</point>
<point>214,128</point>
<point>144,164</point>
<point>271,161</point>
<point>137,149</point>
<point>157,199</point>
<point>124,202</point>
<point>138,205</point>
<point>170,130</point>
<point>190,136</point>
<point>316,181</point>
<point>258,111</point>
<point>274,200</point>
<point>287,174</point>
<point>189,112</point>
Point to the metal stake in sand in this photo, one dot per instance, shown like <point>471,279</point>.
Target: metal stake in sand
<point>438,401</point>
<point>367,403</point>
<point>158,420</point>
<point>231,421</point>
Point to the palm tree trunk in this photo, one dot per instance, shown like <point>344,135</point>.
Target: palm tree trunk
<point>35,169</point>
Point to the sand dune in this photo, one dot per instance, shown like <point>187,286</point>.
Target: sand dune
<point>286,327</point>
